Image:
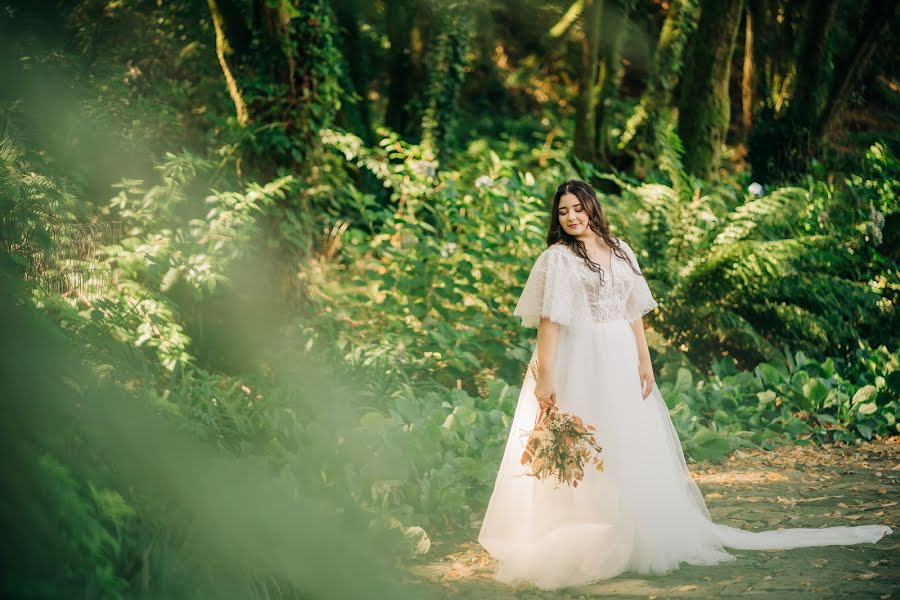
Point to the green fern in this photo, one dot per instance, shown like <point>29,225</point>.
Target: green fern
<point>744,276</point>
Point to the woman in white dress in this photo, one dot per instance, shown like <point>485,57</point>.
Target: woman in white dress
<point>644,512</point>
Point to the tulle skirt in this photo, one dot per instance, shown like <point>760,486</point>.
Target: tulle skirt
<point>643,513</point>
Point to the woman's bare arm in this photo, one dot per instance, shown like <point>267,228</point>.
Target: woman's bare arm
<point>645,367</point>
<point>643,351</point>
<point>547,338</point>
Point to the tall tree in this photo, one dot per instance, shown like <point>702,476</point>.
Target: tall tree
<point>705,109</point>
<point>223,50</point>
<point>616,22</point>
<point>287,48</point>
<point>447,61</point>
<point>640,135</point>
<point>811,84</point>
<point>782,145</point>
<point>780,142</point>
<point>406,71</point>
<point>876,23</point>
<point>747,74</point>
<point>356,114</point>
<point>586,103</point>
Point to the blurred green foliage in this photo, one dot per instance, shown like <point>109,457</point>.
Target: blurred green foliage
<point>299,357</point>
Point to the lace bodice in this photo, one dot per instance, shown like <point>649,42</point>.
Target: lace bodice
<point>564,289</point>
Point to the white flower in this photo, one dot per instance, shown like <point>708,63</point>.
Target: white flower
<point>877,218</point>
<point>875,226</point>
<point>424,167</point>
<point>448,249</point>
<point>484,181</point>
<point>756,189</point>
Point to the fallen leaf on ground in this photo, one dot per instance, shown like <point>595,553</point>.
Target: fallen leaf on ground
<point>457,571</point>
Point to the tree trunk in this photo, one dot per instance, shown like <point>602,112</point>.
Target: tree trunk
<point>359,114</point>
<point>447,62</point>
<point>811,85</point>
<point>747,75</point>
<point>488,90</point>
<point>222,50</point>
<point>704,111</point>
<point>586,104</point>
<point>615,27</point>
<point>274,22</point>
<point>782,143</point>
<point>641,129</point>
<point>761,21</point>
<point>878,20</point>
<point>401,66</point>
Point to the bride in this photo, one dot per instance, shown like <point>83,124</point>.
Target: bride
<point>643,512</point>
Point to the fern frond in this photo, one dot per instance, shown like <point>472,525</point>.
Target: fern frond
<point>774,215</point>
<point>736,332</point>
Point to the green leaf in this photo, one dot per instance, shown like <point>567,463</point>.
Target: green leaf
<point>826,418</point>
<point>864,394</point>
<point>707,443</point>
<point>797,426</point>
<point>867,408</point>
<point>372,420</point>
<point>864,430</point>
<point>683,381</point>
<point>771,374</point>
<point>815,391</point>
<point>766,397</point>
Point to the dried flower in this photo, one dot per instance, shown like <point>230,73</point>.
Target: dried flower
<point>560,446</point>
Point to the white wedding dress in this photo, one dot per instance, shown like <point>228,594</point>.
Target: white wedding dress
<point>643,512</point>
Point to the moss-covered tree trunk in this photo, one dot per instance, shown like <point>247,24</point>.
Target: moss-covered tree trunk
<point>404,65</point>
<point>781,143</point>
<point>616,22</point>
<point>223,51</point>
<point>705,110</point>
<point>640,135</point>
<point>287,49</point>
<point>355,114</point>
<point>760,17</point>
<point>811,86</point>
<point>586,103</point>
<point>447,60</point>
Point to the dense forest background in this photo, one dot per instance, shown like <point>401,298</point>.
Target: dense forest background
<point>259,260</point>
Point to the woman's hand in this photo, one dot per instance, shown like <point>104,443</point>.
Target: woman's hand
<point>544,393</point>
<point>546,398</point>
<point>645,372</point>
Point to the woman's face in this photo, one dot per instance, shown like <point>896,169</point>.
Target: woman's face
<point>573,217</point>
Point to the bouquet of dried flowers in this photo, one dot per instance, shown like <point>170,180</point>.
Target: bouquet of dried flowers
<point>560,445</point>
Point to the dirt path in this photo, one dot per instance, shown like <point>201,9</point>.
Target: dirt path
<point>797,486</point>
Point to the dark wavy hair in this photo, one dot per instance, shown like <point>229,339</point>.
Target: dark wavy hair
<point>596,221</point>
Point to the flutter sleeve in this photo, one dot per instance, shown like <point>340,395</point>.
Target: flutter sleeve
<point>549,292</point>
<point>640,300</point>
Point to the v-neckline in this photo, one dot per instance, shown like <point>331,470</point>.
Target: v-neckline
<point>612,258</point>
<point>610,261</point>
